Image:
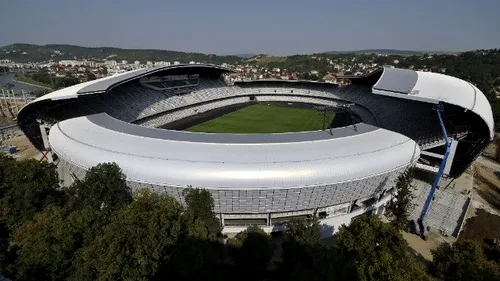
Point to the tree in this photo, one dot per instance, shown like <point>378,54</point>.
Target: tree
<point>305,255</point>
<point>398,209</point>
<point>198,241</point>
<point>40,92</point>
<point>192,259</point>
<point>26,187</point>
<point>103,70</point>
<point>137,241</point>
<point>90,76</point>
<point>47,245</point>
<point>104,188</point>
<point>464,260</point>
<point>304,232</point>
<point>251,250</point>
<point>200,206</point>
<point>6,164</point>
<point>370,249</point>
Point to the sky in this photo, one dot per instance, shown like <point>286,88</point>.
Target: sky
<point>276,27</point>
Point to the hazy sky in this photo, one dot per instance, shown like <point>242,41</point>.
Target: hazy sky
<point>241,26</point>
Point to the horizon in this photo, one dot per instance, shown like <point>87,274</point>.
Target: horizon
<point>252,54</point>
<point>255,28</point>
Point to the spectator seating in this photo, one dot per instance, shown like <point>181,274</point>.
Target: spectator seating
<point>132,102</point>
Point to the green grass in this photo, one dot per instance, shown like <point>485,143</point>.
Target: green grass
<point>264,119</point>
<point>29,80</point>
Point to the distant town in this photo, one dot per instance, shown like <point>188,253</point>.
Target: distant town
<point>250,70</point>
<point>325,67</point>
<point>51,67</point>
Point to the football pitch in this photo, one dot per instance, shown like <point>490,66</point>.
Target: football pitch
<point>265,119</point>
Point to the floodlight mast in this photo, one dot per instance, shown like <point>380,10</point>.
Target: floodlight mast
<point>439,108</point>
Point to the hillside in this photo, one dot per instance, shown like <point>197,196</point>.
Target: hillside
<point>384,52</point>
<point>40,53</point>
<point>266,59</point>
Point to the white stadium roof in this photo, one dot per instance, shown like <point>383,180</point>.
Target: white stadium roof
<point>434,88</point>
<point>104,84</point>
<point>289,160</point>
<point>402,83</point>
<point>171,158</point>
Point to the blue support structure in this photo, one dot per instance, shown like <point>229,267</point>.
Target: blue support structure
<point>439,108</point>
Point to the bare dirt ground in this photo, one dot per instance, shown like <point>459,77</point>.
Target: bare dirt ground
<point>487,184</point>
<point>421,249</point>
<point>483,227</point>
<point>5,121</point>
<point>490,149</point>
<point>483,219</point>
<point>26,149</point>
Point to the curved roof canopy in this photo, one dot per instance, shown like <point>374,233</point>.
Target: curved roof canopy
<point>434,88</point>
<point>173,158</point>
<point>105,84</point>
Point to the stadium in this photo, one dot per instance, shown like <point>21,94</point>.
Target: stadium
<point>267,150</point>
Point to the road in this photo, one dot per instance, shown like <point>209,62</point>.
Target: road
<point>9,78</point>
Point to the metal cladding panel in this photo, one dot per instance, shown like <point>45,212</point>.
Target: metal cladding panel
<point>454,91</point>
<point>103,85</point>
<point>482,108</point>
<point>240,166</point>
<point>277,200</point>
<point>72,91</point>
<point>397,80</point>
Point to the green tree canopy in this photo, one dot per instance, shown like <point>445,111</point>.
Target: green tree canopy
<point>198,241</point>
<point>464,260</point>
<point>373,250</point>
<point>26,187</point>
<point>104,188</point>
<point>200,206</point>
<point>305,255</point>
<point>90,76</point>
<point>136,242</point>
<point>398,209</point>
<point>251,250</point>
<point>193,259</point>
<point>47,245</point>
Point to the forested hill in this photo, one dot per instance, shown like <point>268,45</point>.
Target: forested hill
<point>40,53</point>
<point>384,52</point>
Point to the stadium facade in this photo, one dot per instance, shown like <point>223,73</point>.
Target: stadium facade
<point>263,179</point>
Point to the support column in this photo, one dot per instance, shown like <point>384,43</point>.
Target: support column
<point>8,101</point>
<point>4,100</point>
<point>45,139</point>
<point>24,97</point>
<point>2,108</point>
<point>15,101</point>
<point>451,156</point>
<point>222,219</point>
